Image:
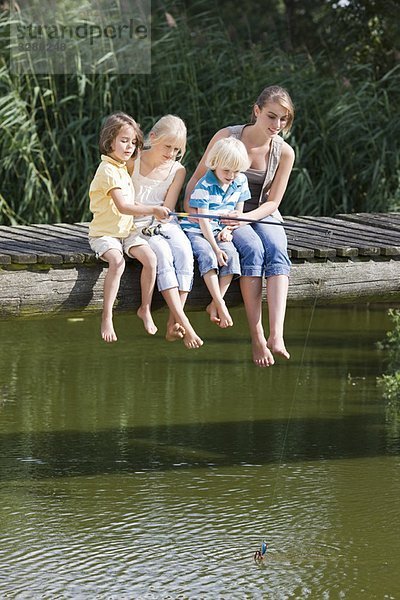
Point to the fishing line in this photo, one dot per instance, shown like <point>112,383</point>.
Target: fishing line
<point>261,553</point>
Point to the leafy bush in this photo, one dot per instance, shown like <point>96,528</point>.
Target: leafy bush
<point>390,382</point>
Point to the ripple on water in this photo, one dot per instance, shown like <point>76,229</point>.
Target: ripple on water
<point>194,536</point>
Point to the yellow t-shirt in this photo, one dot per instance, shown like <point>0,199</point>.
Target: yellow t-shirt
<point>107,220</point>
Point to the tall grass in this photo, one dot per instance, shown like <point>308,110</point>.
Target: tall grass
<point>345,133</point>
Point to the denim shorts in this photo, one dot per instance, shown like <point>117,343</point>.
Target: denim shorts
<point>262,249</point>
<point>206,258</point>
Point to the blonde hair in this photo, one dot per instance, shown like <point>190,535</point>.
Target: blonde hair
<point>275,93</point>
<point>228,153</point>
<point>172,128</point>
<point>111,127</point>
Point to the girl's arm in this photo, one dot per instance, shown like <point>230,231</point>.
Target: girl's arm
<point>201,167</point>
<point>137,210</point>
<point>174,189</point>
<point>278,186</point>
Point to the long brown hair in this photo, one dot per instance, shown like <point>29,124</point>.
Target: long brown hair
<point>275,93</point>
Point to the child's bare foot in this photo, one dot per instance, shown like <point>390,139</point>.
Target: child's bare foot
<point>175,332</point>
<point>191,339</point>
<point>107,330</point>
<point>277,346</point>
<point>212,311</point>
<point>225,319</point>
<point>145,314</point>
<point>262,356</point>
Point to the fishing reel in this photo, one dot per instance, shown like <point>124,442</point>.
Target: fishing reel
<point>151,230</point>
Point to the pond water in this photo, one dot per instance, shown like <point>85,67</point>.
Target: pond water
<point>143,470</point>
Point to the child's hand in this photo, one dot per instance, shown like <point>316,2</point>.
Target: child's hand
<point>222,257</point>
<point>161,212</point>
<point>225,235</point>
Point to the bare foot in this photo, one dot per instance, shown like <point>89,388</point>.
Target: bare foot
<point>175,332</point>
<point>277,346</point>
<point>145,315</point>
<point>191,339</point>
<point>262,356</point>
<point>212,311</point>
<point>107,330</point>
<point>225,319</point>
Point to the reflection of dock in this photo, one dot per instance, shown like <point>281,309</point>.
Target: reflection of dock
<point>349,258</point>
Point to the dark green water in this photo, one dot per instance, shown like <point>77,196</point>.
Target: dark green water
<point>144,471</point>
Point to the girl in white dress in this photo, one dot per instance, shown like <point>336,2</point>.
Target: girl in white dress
<point>158,178</point>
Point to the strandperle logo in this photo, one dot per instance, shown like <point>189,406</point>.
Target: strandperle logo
<point>89,36</point>
<point>34,31</point>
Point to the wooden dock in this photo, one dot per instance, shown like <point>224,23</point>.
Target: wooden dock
<point>346,259</point>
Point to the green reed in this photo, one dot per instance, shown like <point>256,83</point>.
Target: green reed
<point>345,132</point>
<point>389,382</point>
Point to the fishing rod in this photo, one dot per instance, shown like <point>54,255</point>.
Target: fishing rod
<point>225,217</point>
<point>218,217</point>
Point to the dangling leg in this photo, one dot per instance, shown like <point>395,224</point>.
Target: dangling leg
<point>220,313</point>
<point>224,283</point>
<point>116,266</point>
<point>226,274</point>
<point>251,288</point>
<point>252,257</point>
<point>208,268</point>
<point>168,280</point>
<point>146,256</point>
<point>277,269</point>
<point>277,290</point>
<point>179,325</point>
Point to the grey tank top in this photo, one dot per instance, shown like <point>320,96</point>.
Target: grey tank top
<point>260,181</point>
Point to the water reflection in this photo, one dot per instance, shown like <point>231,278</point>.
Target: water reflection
<point>143,470</point>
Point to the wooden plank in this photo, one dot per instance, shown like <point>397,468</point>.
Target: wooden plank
<point>386,221</point>
<point>19,258</point>
<point>354,237</point>
<point>5,259</point>
<point>339,243</point>
<point>50,233</point>
<point>305,244</point>
<point>309,238</point>
<point>323,248</point>
<point>78,232</point>
<point>300,252</point>
<point>362,231</point>
<point>72,242</point>
<point>70,252</point>
<point>388,242</point>
<point>10,241</point>
<point>67,251</point>
<point>24,243</point>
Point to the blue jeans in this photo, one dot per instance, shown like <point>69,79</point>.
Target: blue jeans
<point>206,258</point>
<point>262,249</point>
